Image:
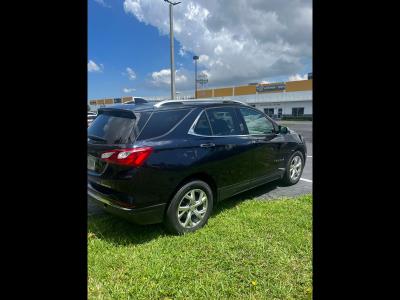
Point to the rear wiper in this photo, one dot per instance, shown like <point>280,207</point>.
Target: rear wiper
<point>97,138</point>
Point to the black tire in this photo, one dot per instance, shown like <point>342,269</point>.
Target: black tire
<point>286,179</point>
<point>171,222</point>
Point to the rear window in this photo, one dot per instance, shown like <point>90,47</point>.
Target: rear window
<point>113,127</point>
<point>161,122</point>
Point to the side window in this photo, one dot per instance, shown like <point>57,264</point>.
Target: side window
<point>224,121</point>
<point>161,122</point>
<point>202,127</point>
<point>256,122</point>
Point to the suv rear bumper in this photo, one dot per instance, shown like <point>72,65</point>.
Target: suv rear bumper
<point>145,215</point>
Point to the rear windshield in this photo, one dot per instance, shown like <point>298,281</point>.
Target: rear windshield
<point>161,122</point>
<point>113,127</point>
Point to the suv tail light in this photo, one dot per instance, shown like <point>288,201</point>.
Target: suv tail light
<point>134,157</point>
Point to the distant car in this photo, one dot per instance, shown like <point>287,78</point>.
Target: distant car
<point>136,101</point>
<point>173,161</point>
<point>90,117</point>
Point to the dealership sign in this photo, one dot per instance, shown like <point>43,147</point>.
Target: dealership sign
<point>271,87</point>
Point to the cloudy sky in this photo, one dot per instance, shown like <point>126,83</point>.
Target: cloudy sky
<point>238,42</point>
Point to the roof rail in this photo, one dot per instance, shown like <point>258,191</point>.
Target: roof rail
<point>234,101</point>
<point>169,102</point>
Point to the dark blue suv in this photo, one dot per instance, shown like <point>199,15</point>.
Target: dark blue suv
<point>173,161</point>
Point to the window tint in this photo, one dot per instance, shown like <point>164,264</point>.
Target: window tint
<point>224,121</point>
<point>256,122</point>
<point>202,127</point>
<point>161,122</point>
<point>114,127</point>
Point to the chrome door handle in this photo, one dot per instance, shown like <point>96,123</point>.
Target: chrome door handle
<point>209,145</point>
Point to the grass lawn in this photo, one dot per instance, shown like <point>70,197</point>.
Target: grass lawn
<point>248,250</point>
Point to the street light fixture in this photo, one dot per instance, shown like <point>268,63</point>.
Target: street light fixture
<point>195,58</point>
<point>171,34</point>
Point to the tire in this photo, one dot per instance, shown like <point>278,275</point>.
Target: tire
<point>287,178</point>
<point>184,203</point>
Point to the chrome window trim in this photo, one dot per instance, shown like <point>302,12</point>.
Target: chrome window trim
<point>191,129</point>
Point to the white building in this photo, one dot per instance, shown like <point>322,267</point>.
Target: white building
<point>292,99</point>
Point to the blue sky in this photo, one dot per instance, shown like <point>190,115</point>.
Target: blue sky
<point>118,41</point>
<point>134,34</point>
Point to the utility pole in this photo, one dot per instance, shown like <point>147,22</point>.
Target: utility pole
<point>195,58</point>
<point>171,34</point>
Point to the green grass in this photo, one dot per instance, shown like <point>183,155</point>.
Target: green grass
<point>248,250</point>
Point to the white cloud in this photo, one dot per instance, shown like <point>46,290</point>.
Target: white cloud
<point>162,78</point>
<point>131,73</point>
<point>93,67</point>
<point>218,50</point>
<point>298,77</point>
<point>102,3</point>
<point>203,58</point>
<point>129,90</point>
<point>243,40</point>
<point>182,51</point>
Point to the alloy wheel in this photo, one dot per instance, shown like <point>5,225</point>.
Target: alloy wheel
<point>295,167</point>
<point>192,208</point>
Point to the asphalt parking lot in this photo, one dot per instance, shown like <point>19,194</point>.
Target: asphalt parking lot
<point>273,190</point>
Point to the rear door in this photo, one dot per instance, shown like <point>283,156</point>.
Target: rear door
<point>267,144</point>
<point>223,148</point>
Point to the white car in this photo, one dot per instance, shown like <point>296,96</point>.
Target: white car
<point>90,117</point>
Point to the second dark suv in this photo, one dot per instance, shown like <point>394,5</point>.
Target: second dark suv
<point>171,162</point>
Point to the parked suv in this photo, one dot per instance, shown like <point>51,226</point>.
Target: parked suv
<point>173,161</point>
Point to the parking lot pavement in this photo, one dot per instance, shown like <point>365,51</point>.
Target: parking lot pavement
<point>272,190</point>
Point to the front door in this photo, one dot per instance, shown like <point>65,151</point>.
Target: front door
<point>266,144</point>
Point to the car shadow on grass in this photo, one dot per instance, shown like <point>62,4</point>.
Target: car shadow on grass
<point>118,231</point>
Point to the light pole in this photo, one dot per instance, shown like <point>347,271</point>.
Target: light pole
<point>195,58</point>
<point>171,34</point>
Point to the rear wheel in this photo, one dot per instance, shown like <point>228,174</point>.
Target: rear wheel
<point>190,208</point>
<point>294,169</point>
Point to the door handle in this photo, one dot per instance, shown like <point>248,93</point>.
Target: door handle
<point>209,145</point>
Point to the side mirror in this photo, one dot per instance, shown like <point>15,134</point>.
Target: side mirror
<point>283,129</point>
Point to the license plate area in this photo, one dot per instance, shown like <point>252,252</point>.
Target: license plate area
<point>91,162</point>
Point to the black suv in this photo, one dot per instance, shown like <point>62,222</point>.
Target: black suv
<point>171,162</point>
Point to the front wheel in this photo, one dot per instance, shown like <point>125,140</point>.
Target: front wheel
<point>294,169</point>
<point>190,208</point>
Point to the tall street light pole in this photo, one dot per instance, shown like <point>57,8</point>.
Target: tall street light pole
<point>195,58</point>
<point>171,34</point>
